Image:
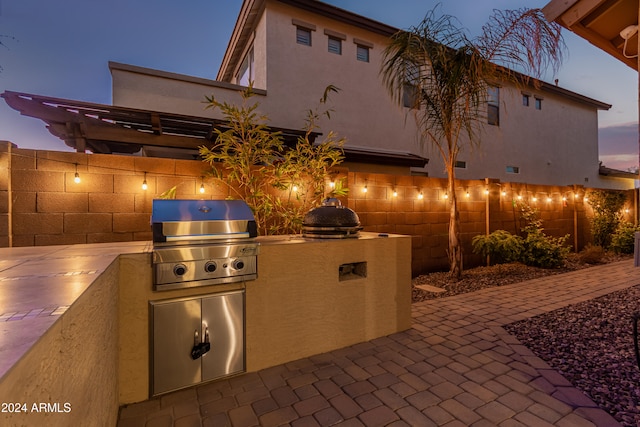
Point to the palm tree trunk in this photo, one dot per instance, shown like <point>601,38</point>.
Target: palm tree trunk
<point>455,246</point>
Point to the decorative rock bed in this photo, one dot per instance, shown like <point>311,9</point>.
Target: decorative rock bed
<point>591,344</point>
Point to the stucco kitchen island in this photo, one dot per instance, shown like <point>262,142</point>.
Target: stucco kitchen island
<point>90,354</point>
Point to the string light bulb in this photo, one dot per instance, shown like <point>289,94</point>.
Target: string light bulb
<point>548,199</point>
<point>294,188</point>
<point>364,189</point>
<point>332,184</point>
<point>486,191</point>
<point>76,177</point>
<point>395,193</point>
<point>519,196</point>
<point>534,199</point>
<point>420,196</point>
<point>468,195</point>
<point>446,195</point>
<point>144,182</point>
<point>504,193</point>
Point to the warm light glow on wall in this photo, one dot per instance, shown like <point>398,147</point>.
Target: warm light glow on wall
<point>364,189</point>
<point>446,195</point>
<point>332,184</point>
<point>420,196</point>
<point>294,188</point>
<point>144,182</point>
<point>395,193</point>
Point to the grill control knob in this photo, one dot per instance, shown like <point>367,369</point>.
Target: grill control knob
<point>210,267</point>
<point>238,264</point>
<point>180,270</point>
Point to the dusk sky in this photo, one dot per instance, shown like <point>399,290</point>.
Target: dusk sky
<point>62,49</point>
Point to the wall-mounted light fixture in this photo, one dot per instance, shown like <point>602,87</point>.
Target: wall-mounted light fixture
<point>626,34</point>
<point>76,177</point>
<point>144,182</point>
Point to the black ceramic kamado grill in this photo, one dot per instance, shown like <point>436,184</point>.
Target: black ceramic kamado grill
<point>202,242</point>
<point>331,220</point>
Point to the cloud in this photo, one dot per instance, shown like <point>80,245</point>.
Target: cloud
<point>618,146</point>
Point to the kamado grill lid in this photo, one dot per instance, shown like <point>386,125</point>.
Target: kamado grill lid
<point>331,220</point>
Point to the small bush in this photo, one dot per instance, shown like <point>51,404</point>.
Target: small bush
<point>623,240</point>
<point>591,254</point>
<point>544,251</point>
<point>500,246</point>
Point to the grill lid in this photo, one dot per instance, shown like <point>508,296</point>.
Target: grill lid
<point>188,220</point>
<point>331,214</point>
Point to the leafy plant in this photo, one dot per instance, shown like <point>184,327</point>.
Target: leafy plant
<point>500,246</point>
<point>623,240</point>
<point>541,250</point>
<point>607,206</point>
<point>535,248</point>
<point>544,251</point>
<point>279,183</point>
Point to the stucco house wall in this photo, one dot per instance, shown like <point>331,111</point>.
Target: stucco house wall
<point>556,145</point>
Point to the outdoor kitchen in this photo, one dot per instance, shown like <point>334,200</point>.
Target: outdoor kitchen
<point>207,299</point>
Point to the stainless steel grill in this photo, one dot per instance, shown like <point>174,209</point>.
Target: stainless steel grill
<point>202,242</point>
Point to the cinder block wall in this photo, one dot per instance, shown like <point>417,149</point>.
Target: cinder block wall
<point>108,204</point>
<point>40,204</point>
<point>392,204</point>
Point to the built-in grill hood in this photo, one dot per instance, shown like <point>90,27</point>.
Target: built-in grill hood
<point>202,242</point>
<point>186,221</point>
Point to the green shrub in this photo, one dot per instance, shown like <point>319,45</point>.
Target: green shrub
<point>606,205</point>
<point>623,240</point>
<point>500,246</point>
<point>540,250</point>
<point>544,251</point>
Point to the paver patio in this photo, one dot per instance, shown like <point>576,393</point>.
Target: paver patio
<point>456,366</point>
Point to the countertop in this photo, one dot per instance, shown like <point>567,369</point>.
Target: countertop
<point>38,284</point>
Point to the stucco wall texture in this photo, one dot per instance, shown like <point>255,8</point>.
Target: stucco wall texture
<point>40,204</point>
<point>86,338</point>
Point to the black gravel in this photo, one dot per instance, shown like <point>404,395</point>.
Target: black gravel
<point>591,344</point>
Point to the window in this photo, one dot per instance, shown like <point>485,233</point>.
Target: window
<point>303,31</point>
<point>493,105</point>
<point>363,48</point>
<point>362,53</point>
<point>525,99</point>
<point>335,45</point>
<point>334,42</point>
<point>245,73</point>
<point>303,36</point>
<point>538,103</point>
<point>410,89</point>
<point>460,164</point>
<point>513,169</point>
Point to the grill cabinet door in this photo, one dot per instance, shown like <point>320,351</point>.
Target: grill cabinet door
<point>224,316</point>
<point>174,324</point>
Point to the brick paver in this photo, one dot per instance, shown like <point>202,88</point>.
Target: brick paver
<point>456,366</point>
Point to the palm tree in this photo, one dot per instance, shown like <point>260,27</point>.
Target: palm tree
<point>444,78</point>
